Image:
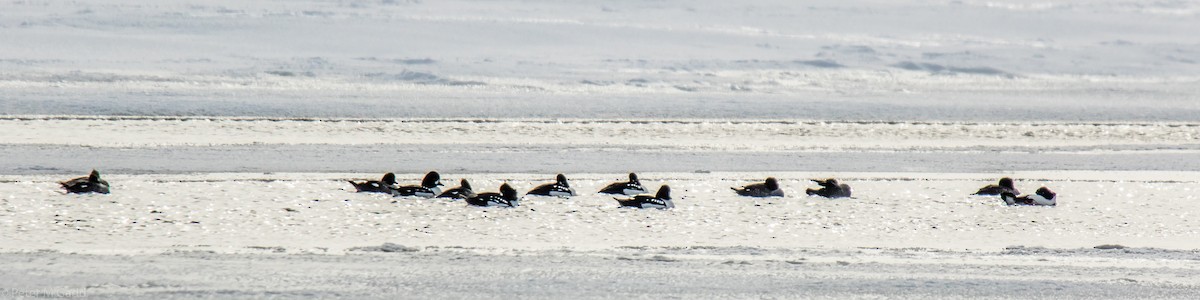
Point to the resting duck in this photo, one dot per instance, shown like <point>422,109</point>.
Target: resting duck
<point>463,191</point>
<point>631,187</point>
<point>830,189</point>
<point>1043,197</point>
<point>506,198</point>
<point>1005,186</point>
<point>559,188</point>
<point>661,200</point>
<point>770,188</point>
<point>429,187</point>
<point>90,184</point>
<point>386,185</point>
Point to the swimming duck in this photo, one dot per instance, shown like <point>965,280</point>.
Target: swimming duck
<point>506,198</point>
<point>559,188</point>
<point>386,185</point>
<point>830,188</point>
<point>1043,197</point>
<point>661,200</point>
<point>463,191</point>
<point>90,184</point>
<point>631,187</point>
<point>1004,186</point>
<point>770,188</point>
<point>429,187</point>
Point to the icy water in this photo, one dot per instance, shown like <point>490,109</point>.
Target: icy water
<point>60,145</point>
<point>304,212</point>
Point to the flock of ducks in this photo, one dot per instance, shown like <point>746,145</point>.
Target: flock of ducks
<point>638,195</point>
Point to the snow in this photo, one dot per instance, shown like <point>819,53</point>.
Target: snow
<point>913,234</point>
<point>228,128</point>
<point>646,272</point>
<point>683,134</point>
<point>824,60</point>
<point>229,212</point>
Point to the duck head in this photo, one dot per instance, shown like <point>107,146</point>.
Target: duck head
<point>1007,182</point>
<point>1046,193</point>
<point>772,184</point>
<point>510,194</point>
<point>562,180</point>
<point>432,180</point>
<point>664,193</point>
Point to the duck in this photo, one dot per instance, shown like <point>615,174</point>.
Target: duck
<point>631,187</point>
<point>770,188</point>
<point>429,188</point>
<point>1043,197</point>
<point>830,188</point>
<point>463,191</point>
<point>1004,186</point>
<point>507,197</point>
<point>90,184</point>
<point>559,188</point>
<point>386,185</point>
<point>660,200</point>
